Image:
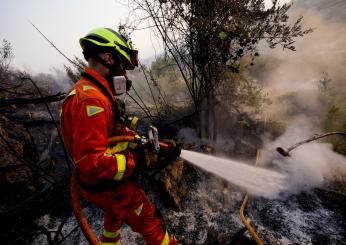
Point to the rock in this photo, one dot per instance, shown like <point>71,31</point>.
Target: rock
<point>172,185</point>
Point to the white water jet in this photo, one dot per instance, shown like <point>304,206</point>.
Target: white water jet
<point>257,181</point>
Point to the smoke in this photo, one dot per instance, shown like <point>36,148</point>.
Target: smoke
<point>62,81</point>
<point>55,81</point>
<point>308,166</point>
<point>291,79</point>
<point>188,136</point>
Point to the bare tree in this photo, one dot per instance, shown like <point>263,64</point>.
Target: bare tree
<point>209,38</point>
<point>6,55</point>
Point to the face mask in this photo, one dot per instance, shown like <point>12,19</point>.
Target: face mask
<point>121,85</point>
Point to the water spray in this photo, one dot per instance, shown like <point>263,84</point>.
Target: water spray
<point>257,181</point>
<point>285,152</point>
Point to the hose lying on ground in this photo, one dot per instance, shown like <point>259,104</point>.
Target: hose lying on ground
<point>243,218</point>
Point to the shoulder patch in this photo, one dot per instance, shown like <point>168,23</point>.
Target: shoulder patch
<point>88,87</point>
<point>93,110</point>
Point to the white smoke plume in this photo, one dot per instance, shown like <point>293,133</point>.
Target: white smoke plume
<point>291,79</point>
<point>308,166</point>
<point>323,50</point>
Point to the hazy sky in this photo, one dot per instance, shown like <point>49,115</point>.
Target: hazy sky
<point>63,22</point>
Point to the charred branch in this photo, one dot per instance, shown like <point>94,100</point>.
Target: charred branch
<point>36,123</point>
<point>40,100</point>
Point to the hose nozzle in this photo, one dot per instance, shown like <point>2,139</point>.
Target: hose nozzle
<point>282,151</point>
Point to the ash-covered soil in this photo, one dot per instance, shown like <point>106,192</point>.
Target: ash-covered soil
<point>209,214</point>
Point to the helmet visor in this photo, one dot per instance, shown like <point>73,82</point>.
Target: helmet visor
<point>134,58</point>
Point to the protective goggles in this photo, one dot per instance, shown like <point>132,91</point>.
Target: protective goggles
<point>133,57</point>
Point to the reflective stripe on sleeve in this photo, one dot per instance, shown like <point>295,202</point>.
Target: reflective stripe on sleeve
<point>121,162</point>
<point>119,147</point>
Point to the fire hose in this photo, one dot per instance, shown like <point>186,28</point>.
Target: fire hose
<point>75,199</point>
<point>78,212</point>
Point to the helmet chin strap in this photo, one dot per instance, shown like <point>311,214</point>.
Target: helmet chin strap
<point>112,71</point>
<point>115,70</point>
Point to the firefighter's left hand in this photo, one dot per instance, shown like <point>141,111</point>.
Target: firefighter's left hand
<point>171,152</point>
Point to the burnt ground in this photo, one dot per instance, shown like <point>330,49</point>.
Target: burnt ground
<point>18,224</point>
<point>21,204</point>
<point>209,214</point>
<point>32,213</point>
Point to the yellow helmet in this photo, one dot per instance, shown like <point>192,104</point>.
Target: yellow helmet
<point>108,39</point>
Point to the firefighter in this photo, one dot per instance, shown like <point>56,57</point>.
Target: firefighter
<point>92,113</point>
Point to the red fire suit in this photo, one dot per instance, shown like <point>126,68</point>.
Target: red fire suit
<point>86,124</point>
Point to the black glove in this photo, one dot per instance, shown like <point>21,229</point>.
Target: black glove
<point>147,158</point>
<point>170,153</point>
